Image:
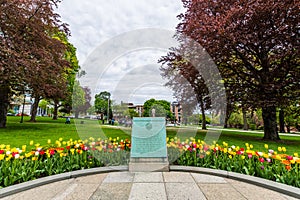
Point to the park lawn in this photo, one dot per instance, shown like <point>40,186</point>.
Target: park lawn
<point>17,134</point>
<point>237,138</point>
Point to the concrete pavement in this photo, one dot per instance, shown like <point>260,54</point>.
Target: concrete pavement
<point>148,185</point>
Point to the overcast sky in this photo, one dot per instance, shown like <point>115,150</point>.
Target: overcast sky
<point>131,75</point>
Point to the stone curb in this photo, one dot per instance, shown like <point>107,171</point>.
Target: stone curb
<point>58,177</point>
<point>272,185</point>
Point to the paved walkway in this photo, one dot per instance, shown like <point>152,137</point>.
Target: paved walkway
<point>151,186</point>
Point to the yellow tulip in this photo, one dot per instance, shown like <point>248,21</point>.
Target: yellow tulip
<point>266,146</point>
<point>1,156</point>
<point>225,150</point>
<point>292,161</point>
<point>27,155</point>
<point>31,142</point>
<point>72,151</point>
<point>49,141</point>
<point>279,149</point>
<point>283,149</point>
<point>8,158</point>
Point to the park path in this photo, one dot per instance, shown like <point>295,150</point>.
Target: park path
<point>149,185</point>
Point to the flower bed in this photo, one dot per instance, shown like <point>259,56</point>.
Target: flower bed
<point>28,163</point>
<point>34,161</point>
<point>271,164</point>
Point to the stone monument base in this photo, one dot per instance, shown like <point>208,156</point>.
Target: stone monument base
<point>149,165</point>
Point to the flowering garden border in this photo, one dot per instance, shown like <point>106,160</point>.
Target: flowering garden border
<point>31,162</point>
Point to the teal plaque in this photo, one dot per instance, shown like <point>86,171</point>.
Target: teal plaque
<point>148,137</point>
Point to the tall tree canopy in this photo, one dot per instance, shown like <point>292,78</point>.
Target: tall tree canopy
<point>28,47</point>
<point>255,44</point>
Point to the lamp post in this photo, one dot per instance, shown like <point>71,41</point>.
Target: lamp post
<point>108,108</point>
<point>23,108</point>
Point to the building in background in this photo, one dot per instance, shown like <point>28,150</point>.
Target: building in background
<point>176,109</point>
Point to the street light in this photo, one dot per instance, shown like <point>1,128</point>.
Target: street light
<point>108,108</point>
<point>23,108</point>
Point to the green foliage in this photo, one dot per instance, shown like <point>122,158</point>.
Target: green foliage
<point>43,104</point>
<point>197,118</point>
<point>162,108</point>
<point>78,96</point>
<point>101,103</point>
<point>91,110</point>
<point>236,119</point>
<point>131,113</point>
<point>11,111</point>
<point>292,116</point>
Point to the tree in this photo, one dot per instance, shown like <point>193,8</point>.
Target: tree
<point>256,47</point>
<point>131,113</point>
<point>103,104</point>
<point>87,96</point>
<point>162,108</point>
<point>292,116</point>
<point>27,46</point>
<point>63,96</point>
<point>183,77</point>
<point>78,98</point>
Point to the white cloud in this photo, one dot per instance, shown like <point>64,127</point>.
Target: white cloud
<point>92,22</point>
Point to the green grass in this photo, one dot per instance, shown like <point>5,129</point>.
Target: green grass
<point>17,134</point>
<point>237,138</point>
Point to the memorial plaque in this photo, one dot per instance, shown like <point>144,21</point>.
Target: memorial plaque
<point>148,139</point>
<point>148,145</point>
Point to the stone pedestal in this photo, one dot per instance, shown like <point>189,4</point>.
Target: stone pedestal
<point>149,165</point>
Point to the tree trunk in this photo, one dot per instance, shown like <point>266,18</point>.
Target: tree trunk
<point>245,119</point>
<point>34,108</point>
<point>227,115</point>
<point>288,128</point>
<point>203,115</point>
<point>4,102</point>
<point>270,124</point>
<point>281,121</point>
<point>76,114</point>
<point>55,110</point>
